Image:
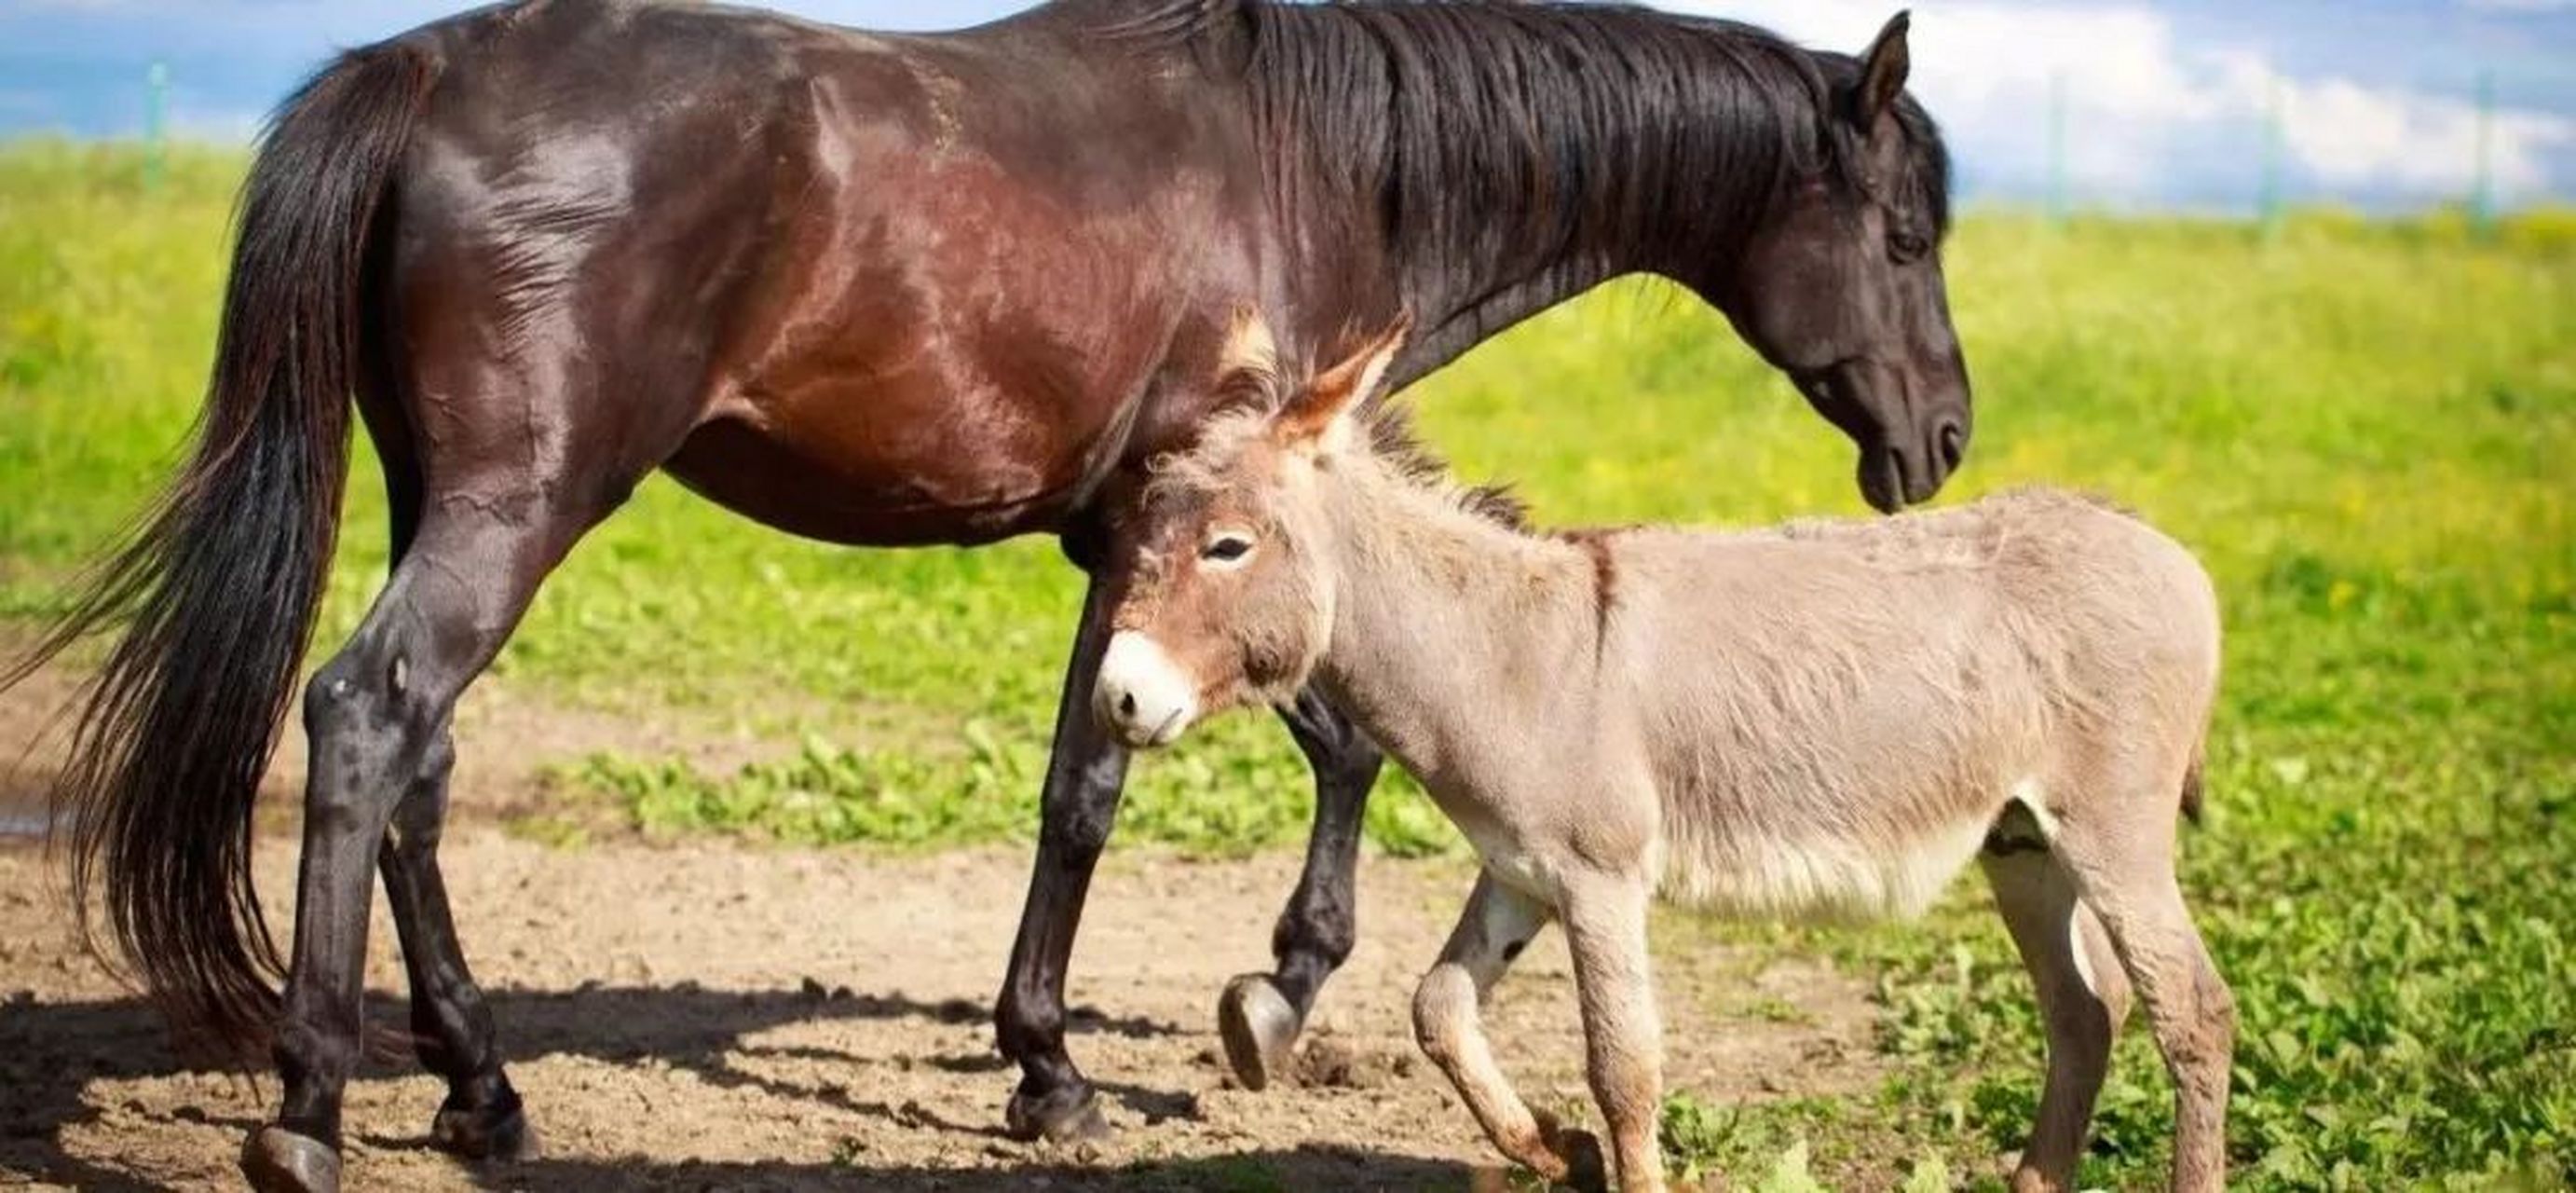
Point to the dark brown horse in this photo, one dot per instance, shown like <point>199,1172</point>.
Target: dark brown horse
<point>883,291</point>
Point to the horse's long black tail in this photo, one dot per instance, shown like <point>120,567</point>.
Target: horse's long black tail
<point>217,589</point>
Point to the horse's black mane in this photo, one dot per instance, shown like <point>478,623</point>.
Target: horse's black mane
<point>1500,138</point>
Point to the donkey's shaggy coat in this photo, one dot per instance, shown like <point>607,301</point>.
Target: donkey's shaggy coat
<point>1827,718</point>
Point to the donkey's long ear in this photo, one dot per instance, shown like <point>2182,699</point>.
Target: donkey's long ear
<point>1324,418</point>
<point>1882,72</point>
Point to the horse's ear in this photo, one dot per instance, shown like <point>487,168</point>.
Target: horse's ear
<point>1882,72</point>
<point>1324,418</point>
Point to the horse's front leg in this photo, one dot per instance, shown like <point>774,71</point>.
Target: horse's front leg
<point>1259,1015</point>
<point>1085,777</point>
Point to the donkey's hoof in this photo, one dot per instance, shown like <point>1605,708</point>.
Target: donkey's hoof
<point>1258,1027</point>
<point>276,1160</point>
<point>482,1135</point>
<point>1585,1169</point>
<point>1068,1115</point>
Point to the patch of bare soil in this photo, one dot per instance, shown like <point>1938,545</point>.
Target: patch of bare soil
<point>728,1017</point>
<point>721,1017</point>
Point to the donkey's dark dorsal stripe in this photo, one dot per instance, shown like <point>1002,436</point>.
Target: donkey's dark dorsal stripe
<point>884,290</point>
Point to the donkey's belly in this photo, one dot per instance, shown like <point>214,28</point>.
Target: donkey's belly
<point>1814,878</point>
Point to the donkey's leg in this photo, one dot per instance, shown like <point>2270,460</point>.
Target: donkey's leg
<point>2134,891</point>
<point>375,715</point>
<point>1605,925</point>
<point>1086,774</point>
<point>2083,994</point>
<point>451,1025</point>
<point>1259,1015</point>
<point>1496,925</point>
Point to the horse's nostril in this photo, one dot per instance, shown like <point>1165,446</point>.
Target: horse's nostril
<point>1954,445</point>
<point>1127,705</point>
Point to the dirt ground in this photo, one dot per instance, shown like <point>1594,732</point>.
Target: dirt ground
<point>726,1017</point>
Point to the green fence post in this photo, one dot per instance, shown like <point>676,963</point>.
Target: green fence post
<point>2482,201</point>
<point>2268,201</point>
<point>156,108</point>
<point>2057,201</point>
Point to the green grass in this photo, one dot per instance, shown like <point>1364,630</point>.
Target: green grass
<point>2364,428</point>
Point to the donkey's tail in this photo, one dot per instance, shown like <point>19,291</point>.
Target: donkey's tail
<point>2192,785</point>
<point>216,589</point>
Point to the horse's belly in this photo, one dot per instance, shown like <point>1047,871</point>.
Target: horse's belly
<point>866,485</point>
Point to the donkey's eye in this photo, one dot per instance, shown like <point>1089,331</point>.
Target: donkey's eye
<point>1226,548</point>
<point>1907,246</point>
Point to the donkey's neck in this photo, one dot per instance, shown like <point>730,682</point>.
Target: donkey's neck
<point>1500,160</point>
<point>1449,630</point>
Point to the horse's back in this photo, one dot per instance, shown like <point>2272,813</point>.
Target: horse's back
<point>872,289</point>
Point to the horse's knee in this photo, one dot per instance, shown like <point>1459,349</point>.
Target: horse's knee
<point>1078,830</point>
<point>1081,805</point>
<point>1444,1009</point>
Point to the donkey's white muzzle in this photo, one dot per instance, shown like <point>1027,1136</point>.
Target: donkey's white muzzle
<point>1142,695</point>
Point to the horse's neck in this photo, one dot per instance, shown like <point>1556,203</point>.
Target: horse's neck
<point>1479,238</point>
<point>1448,629</point>
<point>1452,327</point>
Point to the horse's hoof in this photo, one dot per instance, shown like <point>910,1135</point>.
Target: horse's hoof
<point>477,1135</point>
<point>1258,1027</point>
<point>276,1160</point>
<point>1069,1115</point>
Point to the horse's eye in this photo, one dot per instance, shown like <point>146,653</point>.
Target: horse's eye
<point>1226,548</point>
<point>1907,246</point>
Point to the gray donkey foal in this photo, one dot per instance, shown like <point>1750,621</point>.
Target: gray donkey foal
<point>1825,719</point>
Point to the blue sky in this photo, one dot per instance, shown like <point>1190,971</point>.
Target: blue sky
<point>2166,100</point>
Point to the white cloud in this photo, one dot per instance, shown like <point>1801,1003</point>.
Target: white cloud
<point>2138,100</point>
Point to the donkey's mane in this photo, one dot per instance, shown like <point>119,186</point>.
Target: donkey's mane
<point>1497,140</point>
<point>1395,443</point>
<point>1392,445</point>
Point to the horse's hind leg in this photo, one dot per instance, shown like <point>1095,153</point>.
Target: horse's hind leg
<point>451,1025</point>
<point>1259,1015</point>
<point>2083,995</point>
<point>377,715</point>
<point>452,1029</point>
<point>2127,879</point>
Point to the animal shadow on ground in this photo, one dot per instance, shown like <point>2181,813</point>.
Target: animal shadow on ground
<point>50,1052</point>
